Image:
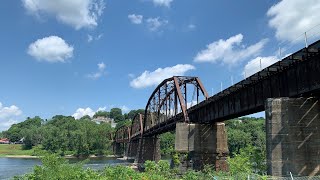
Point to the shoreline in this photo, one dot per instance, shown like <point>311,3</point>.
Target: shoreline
<point>67,156</point>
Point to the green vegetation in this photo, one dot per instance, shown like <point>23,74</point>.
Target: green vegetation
<point>64,135</point>
<point>247,144</point>
<point>54,167</point>
<point>14,150</point>
<point>167,143</point>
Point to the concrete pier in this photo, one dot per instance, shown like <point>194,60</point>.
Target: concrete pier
<point>293,136</point>
<point>149,149</point>
<point>133,149</point>
<point>206,143</point>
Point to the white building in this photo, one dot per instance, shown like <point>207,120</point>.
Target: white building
<point>100,119</point>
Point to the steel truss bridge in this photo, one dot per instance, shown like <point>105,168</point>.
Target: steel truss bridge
<point>184,99</point>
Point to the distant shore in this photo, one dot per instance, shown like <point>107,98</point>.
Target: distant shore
<point>67,156</point>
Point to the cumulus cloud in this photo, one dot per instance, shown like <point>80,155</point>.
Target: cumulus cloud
<point>80,112</point>
<point>291,18</point>
<point>253,65</point>
<point>229,51</point>
<point>165,3</point>
<point>101,71</point>
<point>8,116</point>
<point>50,49</point>
<point>155,24</point>
<point>135,19</point>
<point>153,78</point>
<point>76,13</point>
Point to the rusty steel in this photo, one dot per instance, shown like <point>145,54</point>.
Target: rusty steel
<point>122,134</point>
<point>172,97</point>
<point>136,126</point>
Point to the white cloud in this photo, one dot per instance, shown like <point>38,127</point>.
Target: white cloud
<point>191,26</point>
<point>76,13</point>
<point>80,112</point>
<point>50,49</point>
<point>125,109</point>
<point>291,18</point>
<point>148,78</point>
<point>155,23</point>
<point>131,75</point>
<point>253,66</point>
<point>91,37</point>
<point>135,19</point>
<point>162,2</point>
<point>8,115</point>
<point>229,51</point>
<point>102,109</point>
<point>99,73</point>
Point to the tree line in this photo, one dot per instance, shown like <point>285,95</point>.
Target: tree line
<point>66,135</point>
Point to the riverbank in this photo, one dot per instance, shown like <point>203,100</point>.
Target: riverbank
<point>16,151</point>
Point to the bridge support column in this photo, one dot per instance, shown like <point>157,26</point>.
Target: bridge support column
<point>293,136</point>
<point>205,143</point>
<point>149,149</point>
<point>133,149</point>
<point>117,149</point>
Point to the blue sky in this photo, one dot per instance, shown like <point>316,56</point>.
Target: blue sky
<point>79,56</point>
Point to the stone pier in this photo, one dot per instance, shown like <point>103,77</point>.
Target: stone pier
<point>293,136</point>
<point>205,143</point>
<point>149,149</point>
<point>117,149</point>
<point>133,149</point>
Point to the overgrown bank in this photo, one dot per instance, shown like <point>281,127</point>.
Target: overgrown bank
<point>54,167</point>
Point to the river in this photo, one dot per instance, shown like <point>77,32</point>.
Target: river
<point>10,167</point>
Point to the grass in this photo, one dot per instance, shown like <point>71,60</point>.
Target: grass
<point>13,150</point>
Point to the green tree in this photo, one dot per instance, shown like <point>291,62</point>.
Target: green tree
<point>167,143</point>
<point>101,114</point>
<point>116,114</point>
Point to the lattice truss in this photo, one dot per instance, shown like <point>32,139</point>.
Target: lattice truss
<point>172,98</point>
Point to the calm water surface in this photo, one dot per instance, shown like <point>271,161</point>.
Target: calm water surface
<point>10,167</point>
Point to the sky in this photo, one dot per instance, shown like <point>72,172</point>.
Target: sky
<point>76,57</point>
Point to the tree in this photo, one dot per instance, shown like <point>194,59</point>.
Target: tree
<point>133,113</point>
<point>101,114</point>
<point>116,114</point>
<point>167,143</point>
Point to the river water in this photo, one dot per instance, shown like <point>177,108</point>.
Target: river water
<point>10,167</point>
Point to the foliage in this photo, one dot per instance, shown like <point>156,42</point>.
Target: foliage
<point>126,123</point>
<point>167,143</point>
<point>116,114</point>
<point>64,135</point>
<point>54,167</point>
<point>133,113</point>
<point>101,114</point>
<point>20,130</point>
<point>247,144</point>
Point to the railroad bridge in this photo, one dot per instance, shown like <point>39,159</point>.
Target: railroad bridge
<point>288,91</point>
